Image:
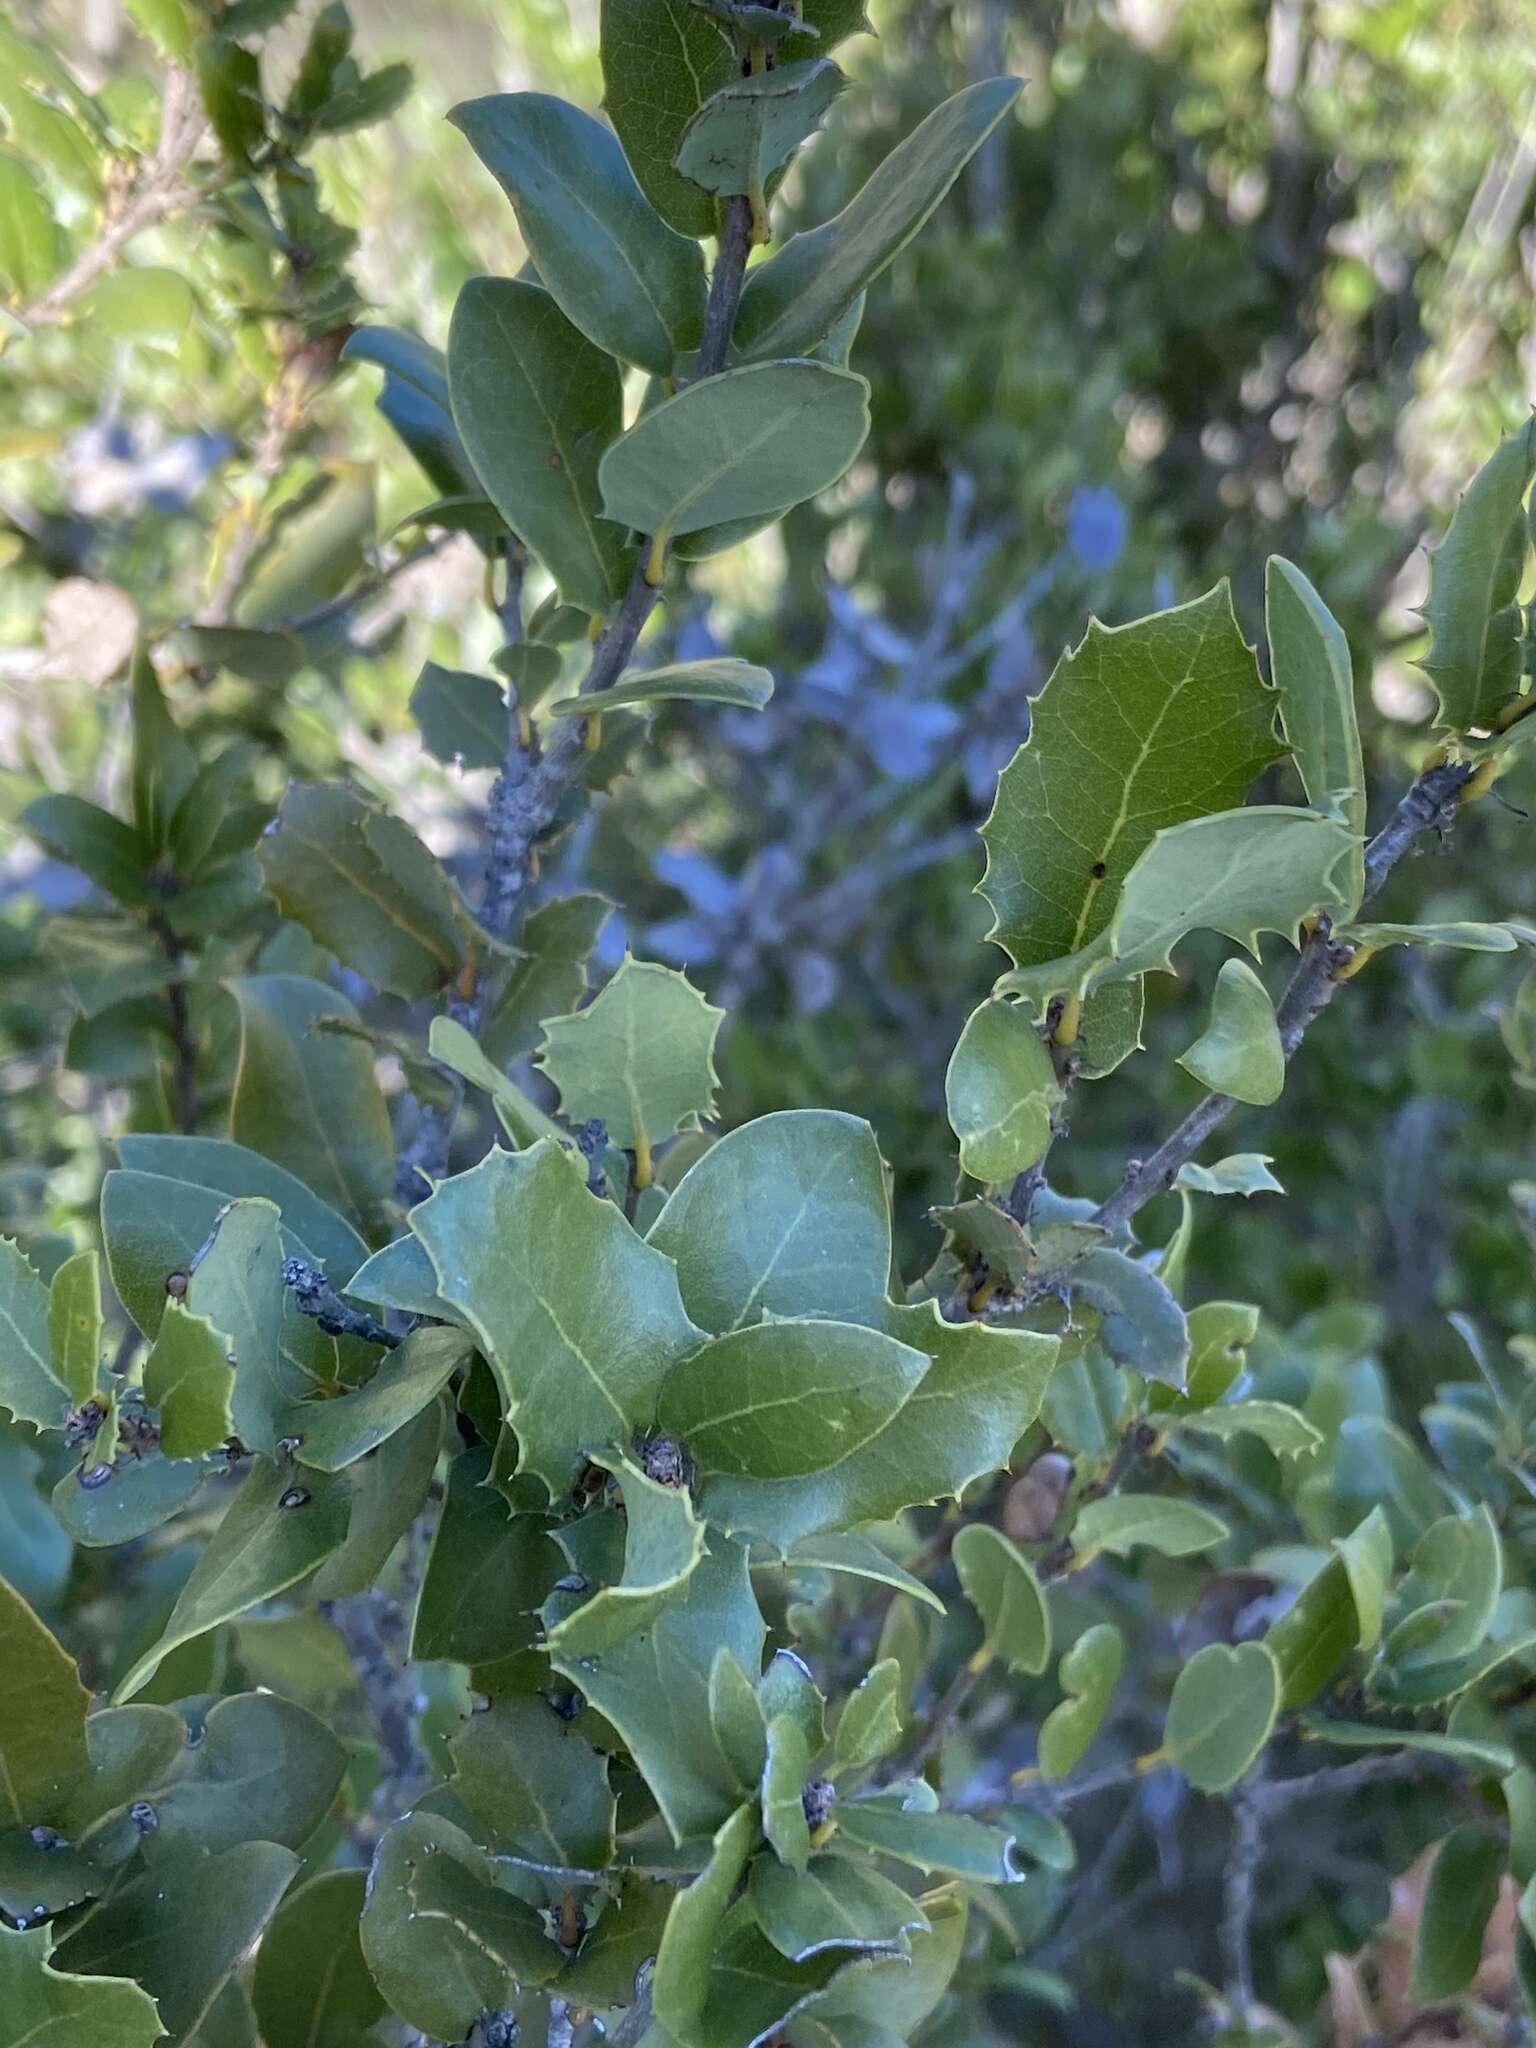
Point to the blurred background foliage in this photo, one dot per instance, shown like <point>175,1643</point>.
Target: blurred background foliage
<point>1242,278</point>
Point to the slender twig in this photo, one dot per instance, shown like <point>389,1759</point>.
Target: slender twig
<point>1332,1780</point>
<point>184,1092</point>
<point>1239,1893</point>
<point>314,1295</point>
<point>371,1624</point>
<point>1429,805</point>
<point>159,190</point>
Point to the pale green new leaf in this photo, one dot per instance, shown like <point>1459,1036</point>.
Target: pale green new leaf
<point>748,442</point>
<point>1140,727</point>
<point>629,282</point>
<point>1279,1427</point>
<point>690,1939</point>
<point>1463,937</point>
<point>579,1319</point>
<point>537,403</point>
<point>1239,1052</point>
<point>1000,1584</point>
<point>750,127</point>
<point>870,1724</point>
<point>310,1101</point>
<point>520,1117</point>
<point>29,1389</point>
<point>1089,1673</point>
<point>663,1542</point>
<point>785,1772</point>
<point>42,1733</point>
<point>796,297</point>
<point>1314,679</point>
<point>41,2004</point>
<point>782,1399</point>
<point>1241,1173</point>
<point>1474,582</point>
<point>1000,1090</point>
<point>722,680</point>
<point>640,1056</point>
<point>857,1554</point>
<point>364,887</point>
<point>274,1533</point>
<point>1221,1713</point>
<point>75,1324</point>
<point>1125,1521</point>
<point>901,1823</point>
<point>189,1376</point>
<point>1367,1555</point>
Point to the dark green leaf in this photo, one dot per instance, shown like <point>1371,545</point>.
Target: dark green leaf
<point>236,1172</point>
<point>263,1767</point>
<point>1474,581</point>
<point>311,1983</point>
<point>1141,1324</point>
<point>747,129</point>
<point>42,1734</point>
<point>736,1718</point>
<point>549,977</point>
<point>487,1575</point>
<point>39,2003</point>
<point>103,848</point>
<point>463,717</point>
<point>336,1433</point>
<point>833,1904</point>
<point>663,1542</point>
<point>540,1789</point>
<point>661,60</point>
<point>389,1490</point>
<point>28,1387</point>
<point>1461,1894</point>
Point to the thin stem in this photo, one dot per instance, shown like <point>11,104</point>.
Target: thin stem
<point>1239,1895</point>
<point>1429,805</point>
<point>184,1092</point>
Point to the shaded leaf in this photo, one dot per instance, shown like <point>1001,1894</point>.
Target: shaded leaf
<point>832,1904</point>
<point>1460,1896</point>
<point>75,1324</point>
<point>540,1789</point>
<point>42,1735</point>
<point>723,680</point>
<point>736,1718</point>
<point>1089,1673</point>
<point>389,1490</point>
<point>1474,581</point>
<point>1221,1713</point>
<point>1000,1584</point>
<point>549,976</point>
<point>336,1433</point>
<point>311,1983</point>
<point>1314,679</point>
<point>39,2003</point>
<point>951,1844</point>
<point>870,1724</point>
<point>238,1173</point>
<point>29,1389</point>
<point>262,1767</point>
<point>488,1573</point>
<point>663,1542</point>
<point>1122,1522</point>
<point>1141,1325</point>
<point>462,717</point>
<point>749,128</point>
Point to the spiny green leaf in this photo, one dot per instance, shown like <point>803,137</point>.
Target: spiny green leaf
<point>1242,1173</point>
<point>781,1399</point>
<point>1000,1584</point>
<point>1239,1052</point>
<point>443,1941</point>
<point>549,976</point>
<point>537,1785</point>
<point>336,1433</point>
<point>1125,1521</point>
<point>579,1347</point>
<point>190,1378</point>
<point>488,1573</point>
<point>1461,1894</point>
<point>661,60</point>
<point>42,1736</point>
<point>1089,1673</point>
<point>640,1056</point>
<point>1314,679</point>
<point>39,2003</point>
<point>1001,1090</point>
<point>309,1102</point>
<point>793,299</point>
<point>364,887</point>
<point>75,1324</point>
<point>273,1534</point>
<point>1140,727</point>
<point>29,1389</point>
<point>1223,1707</point>
<point>462,717</point>
<point>1474,581</point>
<point>629,282</point>
<point>748,442</point>
<point>722,680</point>
<point>1279,1427</point>
<point>747,129</point>
<point>537,403</point>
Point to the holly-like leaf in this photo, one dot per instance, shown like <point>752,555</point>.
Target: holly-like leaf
<point>537,403</point>
<point>1140,727</point>
<point>749,442</point>
<point>274,1532</point>
<point>1141,1325</point>
<point>311,1982</point>
<point>689,1942</point>
<point>400,1275</point>
<point>781,1399</point>
<point>721,680</point>
<point>1459,1899</point>
<point>75,1324</point>
<point>549,976</point>
<point>190,1378</point>
<point>663,1542</point>
<point>982,1389</point>
<point>488,1573</point>
<point>1474,582</point>
<point>39,2003</point>
<point>785,1771</point>
<point>160,1927</point>
<point>1241,1173</point>
<point>443,1941</point>
<point>1239,1052</point>
<point>1279,1427</point>
<point>42,1733</point>
<point>1089,1673</point>
<point>237,1289</point>
<point>336,1433</point>
<point>640,1056</point>
<point>1000,1584</point>
<point>621,1945</point>
<point>29,1388</point>
<point>579,1343</point>
<point>747,129</point>
<point>1314,680</point>
<point>857,1554</point>
<point>886,2000</point>
<point>1123,1522</point>
<point>537,1785</point>
<point>870,1724</point>
<point>310,1101</point>
<point>462,717</point>
<point>630,283</point>
<point>834,1903</point>
<point>1221,1713</point>
<point>364,887</point>
<point>899,1824</point>
<point>654,1688</point>
<point>792,301</point>
<point>785,1216</point>
<point>1001,1091</point>
<point>661,60</point>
